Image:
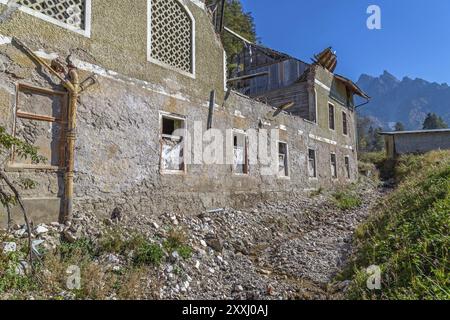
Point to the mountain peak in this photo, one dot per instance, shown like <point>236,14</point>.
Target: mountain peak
<point>386,76</point>
<point>407,100</point>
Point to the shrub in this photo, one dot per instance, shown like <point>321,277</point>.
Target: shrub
<point>176,241</point>
<point>346,200</point>
<point>148,254</point>
<point>82,247</point>
<point>10,279</point>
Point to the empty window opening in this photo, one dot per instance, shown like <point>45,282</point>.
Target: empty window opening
<point>333,165</point>
<point>312,172</point>
<point>171,29</point>
<point>240,153</point>
<point>347,167</point>
<point>172,144</point>
<point>344,123</point>
<point>331,116</point>
<point>283,165</point>
<point>40,121</point>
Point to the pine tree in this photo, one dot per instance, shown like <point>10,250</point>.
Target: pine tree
<point>240,22</point>
<point>433,121</point>
<point>399,126</point>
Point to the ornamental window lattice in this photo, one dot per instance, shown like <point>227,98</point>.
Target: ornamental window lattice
<point>69,12</point>
<point>171,34</point>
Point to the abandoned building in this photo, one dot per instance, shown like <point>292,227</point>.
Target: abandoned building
<point>415,142</point>
<point>103,96</point>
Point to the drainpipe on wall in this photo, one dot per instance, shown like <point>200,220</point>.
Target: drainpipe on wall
<point>73,87</point>
<point>71,137</point>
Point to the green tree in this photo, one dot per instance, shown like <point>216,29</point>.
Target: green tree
<point>399,126</point>
<point>433,121</point>
<point>240,22</point>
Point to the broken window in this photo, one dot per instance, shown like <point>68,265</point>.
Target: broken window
<point>283,169</point>
<point>333,165</point>
<point>40,121</point>
<point>171,34</point>
<point>72,14</point>
<point>347,166</point>
<point>312,163</point>
<point>172,144</point>
<point>240,156</point>
<point>331,116</point>
<point>344,123</point>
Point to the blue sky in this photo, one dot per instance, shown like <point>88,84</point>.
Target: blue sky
<point>414,40</point>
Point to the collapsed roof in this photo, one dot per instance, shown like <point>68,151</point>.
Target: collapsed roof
<point>326,59</point>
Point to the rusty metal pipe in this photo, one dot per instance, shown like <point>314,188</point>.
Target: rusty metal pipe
<point>71,137</point>
<point>73,87</point>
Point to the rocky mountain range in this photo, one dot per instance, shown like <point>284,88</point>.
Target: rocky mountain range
<point>407,100</point>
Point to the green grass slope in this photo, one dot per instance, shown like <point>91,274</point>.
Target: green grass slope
<point>408,237</point>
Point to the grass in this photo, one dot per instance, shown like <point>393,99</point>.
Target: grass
<point>347,199</point>
<point>409,235</point>
<point>176,241</point>
<point>376,163</point>
<point>137,278</point>
<point>10,280</point>
<point>148,254</point>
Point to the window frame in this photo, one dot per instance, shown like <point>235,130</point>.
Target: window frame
<point>329,116</point>
<point>162,136</point>
<point>86,32</point>
<point>150,59</point>
<point>315,163</point>
<point>12,165</point>
<point>333,166</point>
<point>347,166</point>
<point>246,159</point>
<point>286,161</point>
<point>345,130</point>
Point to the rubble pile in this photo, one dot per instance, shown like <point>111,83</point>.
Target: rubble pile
<point>277,250</point>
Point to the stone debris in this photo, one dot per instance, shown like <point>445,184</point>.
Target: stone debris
<point>286,249</point>
<point>41,229</point>
<point>9,247</point>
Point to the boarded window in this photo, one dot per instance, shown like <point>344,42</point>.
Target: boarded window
<point>172,144</point>
<point>347,167</point>
<point>344,123</point>
<point>240,157</point>
<point>40,121</point>
<point>312,163</point>
<point>283,168</point>
<point>331,116</point>
<point>333,165</point>
<point>171,34</point>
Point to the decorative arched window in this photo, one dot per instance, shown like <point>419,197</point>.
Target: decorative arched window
<point>171,38</point>
<point>74,15</point>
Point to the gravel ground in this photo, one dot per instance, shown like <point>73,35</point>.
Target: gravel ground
<point>277,250</point>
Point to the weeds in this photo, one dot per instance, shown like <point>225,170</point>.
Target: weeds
<point>148,254</point>
<point>136,279</point>
<point>347,199</point>
<point>176,241</point>
<point>408,237</point>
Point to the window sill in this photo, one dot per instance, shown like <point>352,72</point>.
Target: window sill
<point>173,172</point>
